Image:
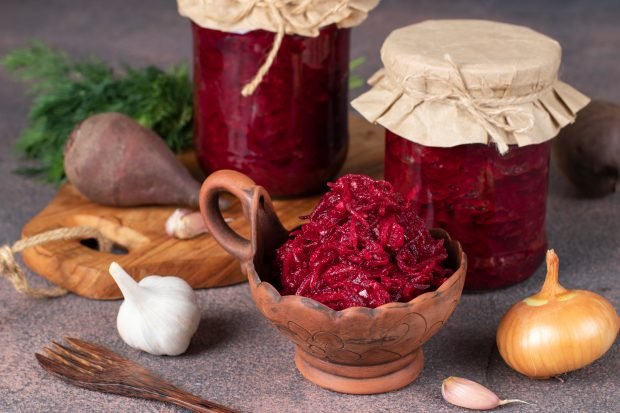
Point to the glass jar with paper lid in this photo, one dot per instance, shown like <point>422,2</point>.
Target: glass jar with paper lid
<point>271,83</point>
<point>469,108</point>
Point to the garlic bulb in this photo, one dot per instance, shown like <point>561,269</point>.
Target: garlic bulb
<point>159,315</point>
<point>471,395</point>
<point>556,330</point>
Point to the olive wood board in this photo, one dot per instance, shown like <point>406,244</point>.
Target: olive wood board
<point>142,246</point>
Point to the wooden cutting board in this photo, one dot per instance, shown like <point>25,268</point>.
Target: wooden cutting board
<point>142,246</point>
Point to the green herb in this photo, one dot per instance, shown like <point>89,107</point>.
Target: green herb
<point>356,81</point>
<point>67,92</point>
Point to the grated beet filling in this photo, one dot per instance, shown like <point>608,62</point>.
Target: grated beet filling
<point>363,245</point>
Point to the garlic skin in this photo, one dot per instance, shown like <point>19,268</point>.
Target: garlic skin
<point>556,330</point>
<point>159,315</point>
<point>471,395</point>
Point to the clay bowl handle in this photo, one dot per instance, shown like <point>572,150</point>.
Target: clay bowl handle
<point>266,230</point>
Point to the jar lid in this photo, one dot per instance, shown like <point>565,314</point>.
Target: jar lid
<point>302,17</point>
<point>453,82</point>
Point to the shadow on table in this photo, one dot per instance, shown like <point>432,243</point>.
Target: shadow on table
<point>213,331</point>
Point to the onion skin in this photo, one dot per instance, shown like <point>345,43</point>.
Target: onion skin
<point>556,330</point>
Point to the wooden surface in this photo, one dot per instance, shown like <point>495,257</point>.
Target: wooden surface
<point>140,233</point>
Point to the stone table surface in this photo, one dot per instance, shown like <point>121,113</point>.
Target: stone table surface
<point>237,358</point>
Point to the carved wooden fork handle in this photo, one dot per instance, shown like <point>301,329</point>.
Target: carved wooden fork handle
<point>96,368</point>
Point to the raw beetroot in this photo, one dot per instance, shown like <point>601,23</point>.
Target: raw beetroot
<point>113,160</point>
<point>363,245</point>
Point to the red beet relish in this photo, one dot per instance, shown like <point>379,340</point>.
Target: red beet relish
<point>363,245</point>
<point>291,135</point>
<point>493,204</point>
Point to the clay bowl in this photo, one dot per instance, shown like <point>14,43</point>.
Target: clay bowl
<point>357,350</point>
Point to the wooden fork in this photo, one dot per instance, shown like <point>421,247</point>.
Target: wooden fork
<point>94,367</point>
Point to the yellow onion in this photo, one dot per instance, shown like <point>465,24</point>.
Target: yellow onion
<point>556,330</point>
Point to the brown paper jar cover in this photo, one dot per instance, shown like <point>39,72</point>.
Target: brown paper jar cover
<point>452,82</point>
<point>301,17</point>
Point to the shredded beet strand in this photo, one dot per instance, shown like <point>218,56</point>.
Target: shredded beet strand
<point>363,245</point>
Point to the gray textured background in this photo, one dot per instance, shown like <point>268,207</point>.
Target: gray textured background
<point>237,358</point>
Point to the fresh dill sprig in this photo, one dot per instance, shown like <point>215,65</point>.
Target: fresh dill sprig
<point>67,92</point>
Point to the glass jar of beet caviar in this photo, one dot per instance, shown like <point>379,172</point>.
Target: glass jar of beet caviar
<point>291,135</point>
<point>469,109</point>
<point>271,88</point>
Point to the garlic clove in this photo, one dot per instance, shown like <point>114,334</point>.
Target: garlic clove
<point>471,395</point>
<point>186,224</point>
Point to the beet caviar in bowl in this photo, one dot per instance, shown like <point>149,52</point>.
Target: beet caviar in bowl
<point>363,246</point>
<point>375,284</point>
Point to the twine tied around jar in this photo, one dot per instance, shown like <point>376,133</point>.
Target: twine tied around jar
<point>250,87</point>
<point>488,112</point>
<point>280,20</point>
<point>10,269</point>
